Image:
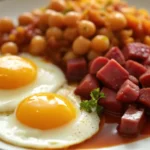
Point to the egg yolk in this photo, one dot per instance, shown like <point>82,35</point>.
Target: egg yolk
<point>16,72</point>
<point>45,111</point>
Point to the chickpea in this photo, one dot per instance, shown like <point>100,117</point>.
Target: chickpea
<point>9,47</point>
<point>106,32</point>
<point>126,33</point>
<point>55,32</point>
<point>56,19</point>
<point>6,25</point>
<point>58,5</point>
<point>116,21</point>
<point>81,45</point>
<point>86,28</point>
<point>70,34</point>
<point>100,43</point>
<point>26,18</point>
<point>72,18</point>
<point>37,45</point>
<point>37,12</point>
<point>45,16</point>
<point>69,55</point>
<point>91,55</point>
<point>147,40</point>
<point>127,40</point>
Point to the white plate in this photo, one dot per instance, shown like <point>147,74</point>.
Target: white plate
<point>12,8</point>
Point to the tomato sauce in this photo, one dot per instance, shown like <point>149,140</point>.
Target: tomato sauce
<point>108,135</point>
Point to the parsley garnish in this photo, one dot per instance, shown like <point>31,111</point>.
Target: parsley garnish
<point>92,104</point>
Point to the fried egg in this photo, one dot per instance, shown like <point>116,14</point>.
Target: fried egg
<point>49,120</point>
<point>24,75</point>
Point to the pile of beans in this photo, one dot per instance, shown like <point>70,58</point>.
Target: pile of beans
<point>68,29</point>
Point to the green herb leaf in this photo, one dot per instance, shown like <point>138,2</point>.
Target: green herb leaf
<point>95,94</point>
<point>102,95</point>
<point>92,104</point>
<point>99,109</point>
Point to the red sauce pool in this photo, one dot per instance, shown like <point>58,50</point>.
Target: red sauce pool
<point>108,135</point>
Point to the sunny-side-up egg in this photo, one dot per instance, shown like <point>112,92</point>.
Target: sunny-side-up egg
<point>24,75</point>
<point>49,120</point>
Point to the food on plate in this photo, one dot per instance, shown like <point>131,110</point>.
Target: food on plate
<point>132,121</point>
<point>125,85</point>
<point>24,75</point>
<point>102,49</point>
<point>49,120</point>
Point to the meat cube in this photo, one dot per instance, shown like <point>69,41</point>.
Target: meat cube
<point>88,84</point>
<point>133,79</point>
<point>136,51</point>
<point>116,54</point>
<point>76,69</point>
<point>134,68</point>
<point>132,121</point>
<point>109,102</point>
<point>128,93</point>
<point>145,79</point>
<point>97,64</point>
<point>112,75</point>
<point>144,97</point>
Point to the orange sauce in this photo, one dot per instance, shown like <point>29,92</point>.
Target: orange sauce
<point>108,135</point>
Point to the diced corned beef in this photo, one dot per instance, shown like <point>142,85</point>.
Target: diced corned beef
<point>136,51</point>
<point>128,93</point>
<point>97,64</point>
<point>115,53</point>
<point>132,121</point>
<point>76,69</point>
<point>109,102</point>
<point>112,75</point>
<point>133,79</point>
<point>88,84</point>
<point>145,79</point>
<point>135,68</point>
<point>144,97</point>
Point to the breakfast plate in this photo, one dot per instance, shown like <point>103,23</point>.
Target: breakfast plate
<point>12,9</point>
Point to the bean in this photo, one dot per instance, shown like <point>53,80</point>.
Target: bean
<point>86,28</point>
<point>69,55</point>
<point>43,19</point>
<point>9,47</point>
<point>6,25</point>
<point>107,32</point>
<point>116,21</point>
<point>81,45</point>
<point>58,5</point>
<point>100,43</point>
<point>56,19</point>
<point>26,19</point>
<point>37,12</point>
<point>147,40</point>
<point>91,55</point>
<point>55,32</point>
<point>72,18</point>
<point>37,45</point>
<point>70,34</point>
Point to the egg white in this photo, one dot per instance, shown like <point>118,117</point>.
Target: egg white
<point>49,79</point>
<point>84,126</point>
